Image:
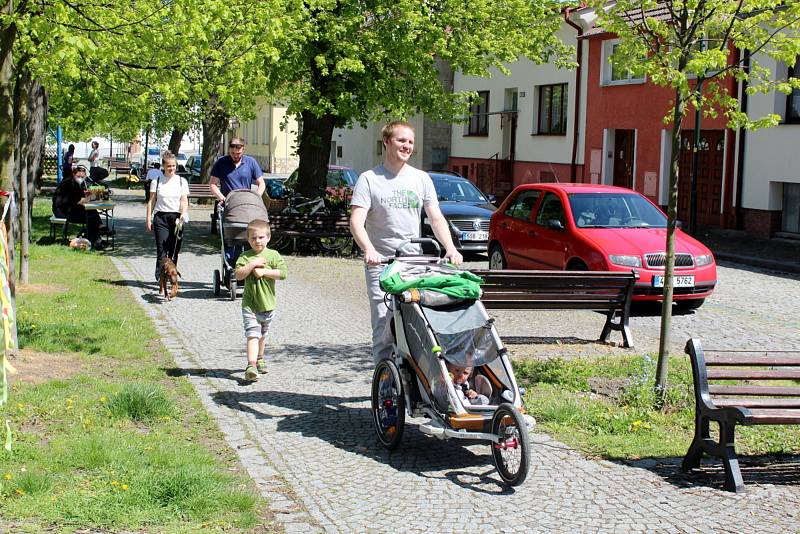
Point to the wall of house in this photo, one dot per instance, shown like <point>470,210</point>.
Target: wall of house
<point>532,151</point>
<point>769,160</point>
<point>283,139</point>
<point>360,145</point>
<point>633,106</point>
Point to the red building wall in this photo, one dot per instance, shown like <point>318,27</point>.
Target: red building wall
<point>637,106</point>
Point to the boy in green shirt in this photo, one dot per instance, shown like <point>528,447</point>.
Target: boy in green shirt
<point>259,267</point>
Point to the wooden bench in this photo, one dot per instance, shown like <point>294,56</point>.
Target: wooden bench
<point>120,167</point>
<point>201,191</point>
<point>332,230</point>
<point>605,291</point>
<point>741,398</point>
<point>61,223</point>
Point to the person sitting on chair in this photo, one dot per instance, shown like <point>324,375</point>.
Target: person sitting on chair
<point>68,203</point>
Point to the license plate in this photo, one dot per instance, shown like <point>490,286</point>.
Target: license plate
<point>677,281</point>
<point>474,236</point>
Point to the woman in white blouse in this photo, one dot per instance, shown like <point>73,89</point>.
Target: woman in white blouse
<point>167,209</point>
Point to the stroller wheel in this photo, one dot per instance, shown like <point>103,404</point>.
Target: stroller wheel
<point>217,283</point>
<point>233,288</point>
<point>511,453</point>
<point>388,404</point>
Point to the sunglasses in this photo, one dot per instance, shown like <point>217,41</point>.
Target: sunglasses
<point>233,145</point>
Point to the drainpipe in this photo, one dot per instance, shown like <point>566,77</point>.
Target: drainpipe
<point>742,137</point>
<point>576,122</point>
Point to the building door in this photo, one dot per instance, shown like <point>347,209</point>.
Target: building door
<point>711,153</point>
<point>624,142</point>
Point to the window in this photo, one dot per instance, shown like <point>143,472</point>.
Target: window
<point>553,109</point>
<point>791,208</point>
<point>793,99</point>
<point>478,115</point>
<point>614,74</point>
<point>551,209</point>
<point>522,206</point>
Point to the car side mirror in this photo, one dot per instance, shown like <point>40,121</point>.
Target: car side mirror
<point>678,224</point>
<point>492,199</point>
<point>555,224</point>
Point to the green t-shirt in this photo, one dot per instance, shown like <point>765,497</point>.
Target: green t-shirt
<point>259,293</point>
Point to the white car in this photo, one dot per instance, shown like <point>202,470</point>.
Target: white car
<point>181,160</point>
<point>153,156</point>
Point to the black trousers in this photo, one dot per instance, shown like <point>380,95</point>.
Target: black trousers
<point>167,245</point>
<point>79,214</point>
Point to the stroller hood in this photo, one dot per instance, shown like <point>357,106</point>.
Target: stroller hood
<point>240,208</point>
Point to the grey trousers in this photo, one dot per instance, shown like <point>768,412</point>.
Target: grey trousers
<point>379,315</point>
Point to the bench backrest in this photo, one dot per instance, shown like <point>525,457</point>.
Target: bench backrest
<point>339,222</point>
<point>200,190</point>
<point>738,377</point>
<point>523,289</point>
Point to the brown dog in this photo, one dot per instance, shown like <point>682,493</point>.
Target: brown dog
<point>169,277</point>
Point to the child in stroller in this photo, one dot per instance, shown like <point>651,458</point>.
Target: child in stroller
<point>461,375</point>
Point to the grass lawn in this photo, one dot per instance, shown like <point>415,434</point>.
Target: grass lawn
<point>604,406</point>
<point>103,437</point>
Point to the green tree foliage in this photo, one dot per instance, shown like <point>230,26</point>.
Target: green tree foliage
<point>690,46</point>
<point>351,61</point>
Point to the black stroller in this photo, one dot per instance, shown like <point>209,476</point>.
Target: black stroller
<point>238,210</point>
<point>432,330</point>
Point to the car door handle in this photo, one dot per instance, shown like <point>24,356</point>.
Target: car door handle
<point>531,233</point>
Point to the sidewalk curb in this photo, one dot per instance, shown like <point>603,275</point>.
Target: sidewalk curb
<point>783,266</point>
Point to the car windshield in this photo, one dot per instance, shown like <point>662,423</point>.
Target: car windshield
<point>336,178</point>
<point>457,190</point>
<point>181,156</point>
<point>153,151</point>
<point>615,210</point>
<point>341,177</point>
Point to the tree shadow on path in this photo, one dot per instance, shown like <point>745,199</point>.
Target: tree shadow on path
<point>762,469</point>
<point>347,425</point>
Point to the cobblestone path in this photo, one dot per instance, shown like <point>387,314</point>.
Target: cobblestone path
<point>304,433</point>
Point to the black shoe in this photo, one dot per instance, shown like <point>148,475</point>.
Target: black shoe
<point>99,245</point>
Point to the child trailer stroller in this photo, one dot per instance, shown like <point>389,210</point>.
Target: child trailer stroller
<point>431,329</point>
<point>238,210</point>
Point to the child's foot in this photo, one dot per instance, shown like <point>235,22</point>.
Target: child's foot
<point>261,366</point>
<point>250,373</point>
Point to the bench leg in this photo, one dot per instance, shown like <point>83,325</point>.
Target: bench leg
<point>621,324</point>
<point>733,476</point>
<point>695,452</point>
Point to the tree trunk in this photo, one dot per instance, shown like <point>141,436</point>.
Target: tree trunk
<point>215,122</point>
<point>22,118</point>
<point>175,140</point>
<point>662,366</point>
<point>7,103</point>
<point>314,153</point>
<point>37,136</point>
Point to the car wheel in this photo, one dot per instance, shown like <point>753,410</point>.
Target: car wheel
<point>691,304</point>
<point>497,260</point>
<point>577,265</point>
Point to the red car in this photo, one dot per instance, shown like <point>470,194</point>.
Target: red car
<point>569,226</point>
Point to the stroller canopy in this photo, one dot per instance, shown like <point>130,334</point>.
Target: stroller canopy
<point>240,208</point>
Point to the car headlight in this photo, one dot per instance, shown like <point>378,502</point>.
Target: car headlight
<point>625,261</point>
<point>703,259</point>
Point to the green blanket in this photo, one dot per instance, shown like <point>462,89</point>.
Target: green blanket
<point>460,284</point>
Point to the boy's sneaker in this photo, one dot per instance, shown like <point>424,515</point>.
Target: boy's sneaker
<point>261,366</point>
<point>250,373</point>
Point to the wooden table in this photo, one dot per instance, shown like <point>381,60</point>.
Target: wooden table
<point>106,210</point>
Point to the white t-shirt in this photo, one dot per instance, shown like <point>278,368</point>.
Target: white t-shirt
<point>94,158</point>
<point>394,204</point>
<point>168,193</point>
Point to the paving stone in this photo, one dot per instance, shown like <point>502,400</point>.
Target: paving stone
<point>308,421</point>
